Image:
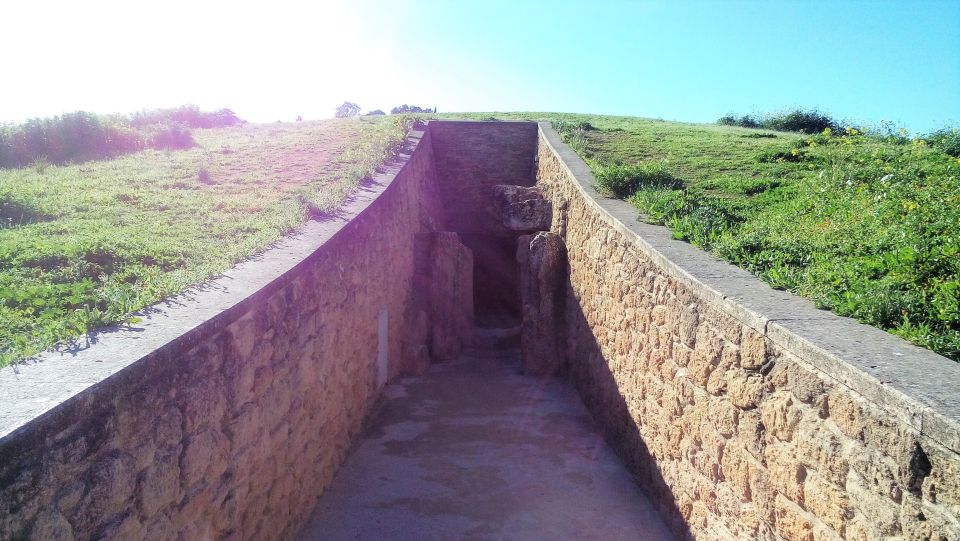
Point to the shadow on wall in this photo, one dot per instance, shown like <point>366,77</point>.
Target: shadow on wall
<point>595,382</point>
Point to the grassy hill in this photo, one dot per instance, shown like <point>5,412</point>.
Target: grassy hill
<point>83,246</point>
<point>867,225</point>
<point>864,224</point>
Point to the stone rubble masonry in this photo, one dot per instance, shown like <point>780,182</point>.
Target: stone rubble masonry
<point>225,414</point>
<point>542,262</point>
<point>472,158</point>
<point>746,412</point>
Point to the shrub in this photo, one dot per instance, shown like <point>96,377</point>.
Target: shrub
<point>624,180</point>
<point>574,134</point>
<point>70,137</point>
<point>947,140</point>
<point>746,121</point>
<point>407,109</point>
<point>741,184</point>
<point>812,121</point>
<point>40,164</point>
<point>82,136</point>
<point>188,115</point>
<point>225,117</point>
<point>799,120</point>
<point>375,112</point>
<point>171,136</point>
<point>16,211</point>
<point>791,154</point>
<point>692,215</point>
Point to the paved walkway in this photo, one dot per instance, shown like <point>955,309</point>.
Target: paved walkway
<point>475,450</point>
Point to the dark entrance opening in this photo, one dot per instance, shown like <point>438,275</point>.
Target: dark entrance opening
<point>496,280</point>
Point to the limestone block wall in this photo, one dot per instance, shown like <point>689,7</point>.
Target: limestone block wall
<point>226,413</point>
<point>745,411</point>
<point>472,159</point>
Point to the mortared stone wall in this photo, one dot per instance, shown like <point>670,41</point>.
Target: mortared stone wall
<point>744,411</point>
<point>225,414</point>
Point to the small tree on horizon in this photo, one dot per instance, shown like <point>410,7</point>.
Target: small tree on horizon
<point>347,110</point>
<point>404,109</point>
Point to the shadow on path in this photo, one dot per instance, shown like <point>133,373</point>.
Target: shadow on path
<point>475,450</point>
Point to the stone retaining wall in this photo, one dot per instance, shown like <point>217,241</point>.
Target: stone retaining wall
<point>226,413</point>
<point>745,411</point>
<point>748,413</point>
<point>472,158</point>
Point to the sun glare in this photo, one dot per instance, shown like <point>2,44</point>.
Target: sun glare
<point>267,64</point>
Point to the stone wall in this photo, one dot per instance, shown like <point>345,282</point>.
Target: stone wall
<point>472,159</point>
<point>225,414</point>
<point>748,413</point>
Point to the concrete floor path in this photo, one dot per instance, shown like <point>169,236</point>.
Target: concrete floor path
<point>476,450</point>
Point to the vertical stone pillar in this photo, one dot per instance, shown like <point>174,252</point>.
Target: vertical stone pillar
<point>450,296</point>
<point>416,351</point>
<point>543,264</point>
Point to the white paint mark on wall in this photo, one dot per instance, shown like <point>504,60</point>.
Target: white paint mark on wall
<point>383,330</point>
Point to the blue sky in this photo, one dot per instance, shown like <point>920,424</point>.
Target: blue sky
<point>690,61</point>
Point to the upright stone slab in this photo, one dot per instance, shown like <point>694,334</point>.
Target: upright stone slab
<point>542,259</point>
<point>451,296</point>
<point>415,349</point>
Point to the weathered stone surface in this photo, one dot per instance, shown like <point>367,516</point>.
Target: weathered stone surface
<point>416,351</point>
<point>451,296</point>
<point>232,405</point>
<point>159,485</point>
<point>204,456</point>
<point>125,526</point>
<point>792,522</point>
<point>51,526</point>
<point>827,502</point>
<point>669,343</point>
<point>471,158</point>
<point>542,260</point>
<point>69,496</point>
<point>723,401</point>
<point>110,487</point>
<point>522,208</point>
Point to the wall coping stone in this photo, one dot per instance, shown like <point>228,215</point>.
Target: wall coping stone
<point>914,384</point>
<point>47,384</point>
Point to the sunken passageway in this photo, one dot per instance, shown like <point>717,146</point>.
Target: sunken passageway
<point>475,450</point>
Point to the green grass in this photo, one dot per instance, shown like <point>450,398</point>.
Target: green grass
<point>866,226</point>
<point>83,246</point>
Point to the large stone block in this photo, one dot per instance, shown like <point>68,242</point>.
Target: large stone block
<point>792,523</point>
<point>51,526</point>
<point>542,260</point>
<point>111,484</point>
<point>159,485</point>
<point>416,353</point>
<point>827,502</point>
<point>522,209</point>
